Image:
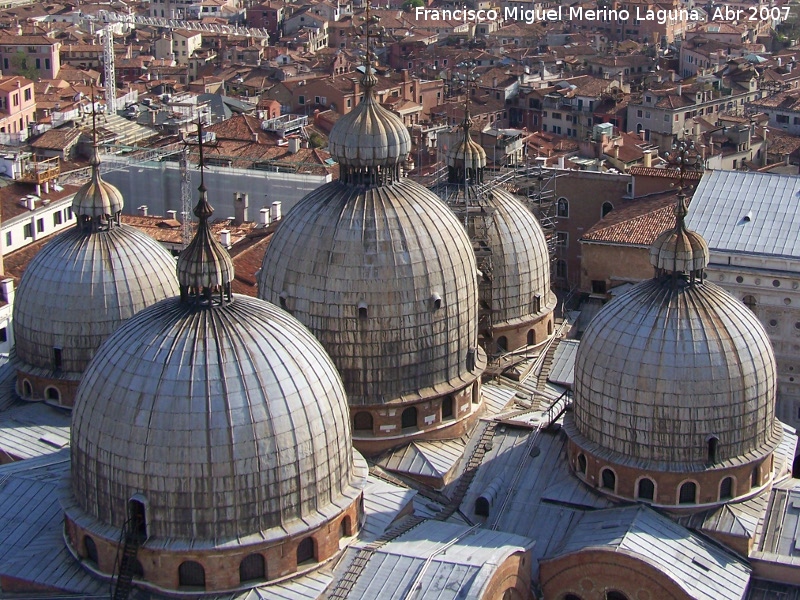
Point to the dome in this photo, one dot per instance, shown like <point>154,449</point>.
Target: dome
<point>369,136</point>
<point>520,259</point>
<point>466,153</point>
<point>385,277</point>
<point>80,287</point>
<point>229,420</point>
<point>680,250</point>
<point>670,365</point>
<point>96,198</point>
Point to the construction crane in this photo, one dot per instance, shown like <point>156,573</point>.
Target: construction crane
<point>109,17</point>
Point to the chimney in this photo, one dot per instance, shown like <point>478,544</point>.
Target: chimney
<point>780,62</point>
<point>494,82</point>
<point>275,212</point>
<point>254,137</point>
<point>264,216</point>
<point>680,89</point>
<point>616,151</point>
<point>225,238</point>
<point>241,204</point>
<point>561,161</point>
<point>142,210</point>
<point>648,159</point>
<point>294,144</point>
<point>786,159</point>
<point>641,135</point>
<point>31,202</point>
<point>7,290</point>
<point>172,214</point>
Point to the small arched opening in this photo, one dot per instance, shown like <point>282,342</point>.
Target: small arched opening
<point>27,389</point>
<point>345,527</point>
<point>138,517</point>
<point>447,407</point>
<point>646,490</point>
<point>252,568</point>
<point>362,421</point>
<point>305,551</point>
<point>755,477</point>
<point>52,394</point>
<point>409,418</point>
<point>502,343</point>
<point>796,467</point>
<point>688,493</point>
<point>615,595</point>
<point>191,574</point>
<point>90,549</point>
<point>531,337</point>
<point>581,464</point>
<point>549,327</point>
<point>609,479</point>
<point>713,449</point>
<point>726,489</point>
<point>606,208</point>
<point>138,569</point>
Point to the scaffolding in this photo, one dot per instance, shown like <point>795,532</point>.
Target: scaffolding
<point>38,172</point>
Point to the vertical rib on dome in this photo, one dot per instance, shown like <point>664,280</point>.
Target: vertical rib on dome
<point>204,267</point>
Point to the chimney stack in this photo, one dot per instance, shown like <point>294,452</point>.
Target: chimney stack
<point>142,210</point>
<point>172,214</point>
<point>7,290</point>
<point>275,213</point>
<point>264,216</point>
<point>294,144</point>
<point>241,203</point>
<point>648,159</point>
<point>225,238</point>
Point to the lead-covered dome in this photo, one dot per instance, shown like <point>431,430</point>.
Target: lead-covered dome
<point>83,285</point>
<point>227,420</point>
<point>80,287</point>
<point>668,366</point>
<point>520,260</point>
<point>679,249</point>
<point>385,277</point>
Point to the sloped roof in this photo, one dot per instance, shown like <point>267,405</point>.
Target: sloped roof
<point>701,568</point>
<point>749,212</point>
<point>638,223</point>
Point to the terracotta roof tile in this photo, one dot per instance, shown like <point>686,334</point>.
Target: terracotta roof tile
<point>638,223</point>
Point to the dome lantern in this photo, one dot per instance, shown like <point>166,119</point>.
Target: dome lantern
<point>205,269</point>
<point>370,143</point>
<point>97,204</point>
<point>679,251</point>
<point>467,159</point>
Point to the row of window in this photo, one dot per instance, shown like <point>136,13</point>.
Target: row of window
<point>192,574</point>
<point>687,492</point>
<point>59,217</point>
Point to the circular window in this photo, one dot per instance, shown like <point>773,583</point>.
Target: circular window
<point>740,279</point>
<point>787,301</point>
<point>776,283</point>
<point>791,368</point>
<point>758,281</point>
<point>797,325</point>
<point>722,277</point>
<point>791,379</point>
<point>773,323</point>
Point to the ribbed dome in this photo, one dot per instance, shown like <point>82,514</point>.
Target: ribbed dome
<point>96,198</point>
<point>385,277</point>
<point>81,287</point>
<point>679,250</point>
<point>520,259</point>
<point>229,419</point>
<point>369,135</point>
<point>204,263</point>
<point>670,364</point>
<point>467,153</point>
